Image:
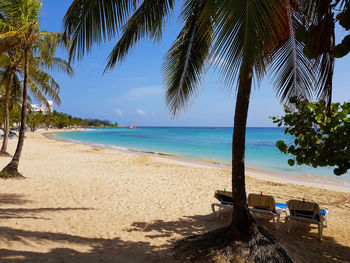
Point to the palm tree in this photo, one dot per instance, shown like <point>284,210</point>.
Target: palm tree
<point>37,50</point>
<point>42,85</point>
<point>7,79</point>
<point>247,37</point>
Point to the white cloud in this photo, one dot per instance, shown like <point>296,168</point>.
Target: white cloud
<point>118,112</point>
<point>141,93</point>
<point>140,112</point>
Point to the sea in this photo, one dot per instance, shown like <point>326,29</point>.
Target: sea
<point>207,144</point>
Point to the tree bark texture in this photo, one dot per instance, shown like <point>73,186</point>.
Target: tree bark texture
<point>7,116</point>
<point>242,225</point>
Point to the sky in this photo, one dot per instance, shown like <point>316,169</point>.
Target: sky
<point>133,92</point>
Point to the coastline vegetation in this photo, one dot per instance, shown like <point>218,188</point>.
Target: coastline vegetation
<point>60,120</point>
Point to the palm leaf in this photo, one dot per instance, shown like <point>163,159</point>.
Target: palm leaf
<point>147,21</point>
<point>293,73</point>
<point>183,66</point>
<point>45,83</point>
<point>4,60</point>
<point>91,21</point>
<point>246,27</point>
<point>36,92</point>
<point>19,12</point>
<point>59,65</point>
<point>320,22</point>
<point>48,43</point>
<point>16,91</point>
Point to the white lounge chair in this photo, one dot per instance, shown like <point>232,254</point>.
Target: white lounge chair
<point>306,212</point>
<point>266,205</point>
<point>225,199</point>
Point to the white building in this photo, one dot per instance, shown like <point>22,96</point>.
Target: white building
<point>43,107</point>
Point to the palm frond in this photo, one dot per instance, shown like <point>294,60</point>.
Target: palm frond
<point>146,22</point>
<point>16,91</point>
<point>19,12</point>
<point>5,27</point>
<point>46,48</point>
<point>88,22</point>
<point>185,61</point>
<point>320,23</point>
<point>46,83</point>
<point>293,73</point>
<point>19,36</point>
<point>36,92</point>
<point>9,40</point>
<point>48,43</point>
<point>3,79</point>
<point>246,27</point>
<point>5,61</point>
<point>56,64</point>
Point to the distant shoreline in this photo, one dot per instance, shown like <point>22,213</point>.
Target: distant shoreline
<point>255,172</point>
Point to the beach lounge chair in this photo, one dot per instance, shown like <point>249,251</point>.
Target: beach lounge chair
<point>266,205</point>
<point>306,212</point>
<point>225,199</point>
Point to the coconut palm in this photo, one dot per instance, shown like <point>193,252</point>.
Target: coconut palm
<point>7,79</point>
<point>245,38</point>
<point>21,31</point>
<point>12,67</point>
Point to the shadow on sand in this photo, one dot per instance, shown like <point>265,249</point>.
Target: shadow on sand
<point>13,199</point>
<point>302,246</point>
<point>62,244</point>
<point>99,249</point>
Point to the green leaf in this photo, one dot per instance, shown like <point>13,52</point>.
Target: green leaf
<point>340,51</point>
<point>291,162</point>
<point>281,145</point>
<point>338,171</point>
<point>346,43</point>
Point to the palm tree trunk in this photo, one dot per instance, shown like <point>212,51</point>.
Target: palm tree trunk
<point>242,225</point>
<point>3,151</point>
<point>12,167</point>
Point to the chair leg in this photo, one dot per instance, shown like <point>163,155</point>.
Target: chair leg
<point>320,230</point>
<point>326,219</point>
<point>212,208</point>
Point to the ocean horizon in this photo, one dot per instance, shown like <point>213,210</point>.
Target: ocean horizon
<point>212,144</point>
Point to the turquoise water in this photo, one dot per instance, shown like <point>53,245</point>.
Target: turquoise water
<point>202,143</point>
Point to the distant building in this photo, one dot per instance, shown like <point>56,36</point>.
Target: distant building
<point>43,107</point>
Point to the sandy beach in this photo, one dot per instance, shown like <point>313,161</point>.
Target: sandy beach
<point>79,203</point>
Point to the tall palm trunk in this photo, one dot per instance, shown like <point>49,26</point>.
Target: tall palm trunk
<point>3,151</point>
<point>12,167</point>
<point>242,225</point>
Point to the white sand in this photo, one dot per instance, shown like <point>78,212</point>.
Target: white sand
<point>83,204</point>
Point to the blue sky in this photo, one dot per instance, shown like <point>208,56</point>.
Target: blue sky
<point>133,93</point>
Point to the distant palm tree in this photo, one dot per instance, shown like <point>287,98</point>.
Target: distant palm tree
<point>42,85</point>
<point>7,79</point>
<point>242,38</point>
<point>21,32</point>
